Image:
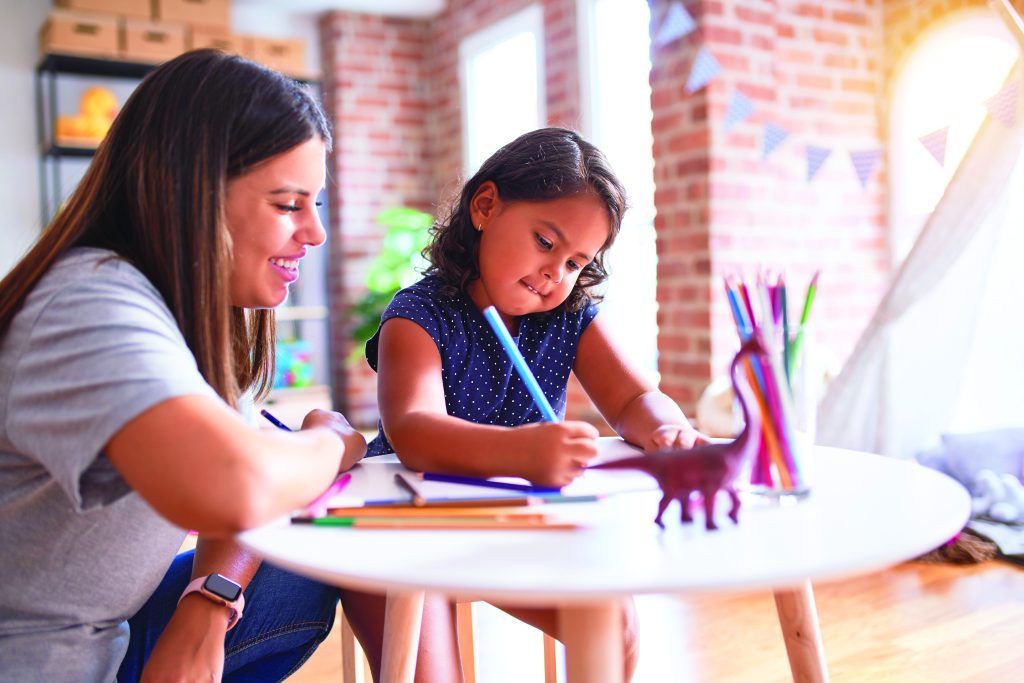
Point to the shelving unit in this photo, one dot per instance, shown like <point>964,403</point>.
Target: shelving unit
<point>306,314</point>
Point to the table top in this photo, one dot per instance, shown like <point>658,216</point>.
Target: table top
<point>865,512</point>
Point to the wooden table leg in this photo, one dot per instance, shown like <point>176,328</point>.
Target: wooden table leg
<point>403,617</point>
<point>799,620</point>
<point>593,642</point>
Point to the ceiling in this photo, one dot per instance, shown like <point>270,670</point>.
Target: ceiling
<point>400,8</point>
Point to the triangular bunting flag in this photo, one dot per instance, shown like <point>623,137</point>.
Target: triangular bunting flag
<point>815,158</point>
<point>676,24</point>
<point>935,143</point>
<point>1003,105</point>
<point>774,135</point>
<point>740,109</point>
<point>705,67</point>
<point>864,163</point>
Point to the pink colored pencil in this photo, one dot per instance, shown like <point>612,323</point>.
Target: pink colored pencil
<point>318,508</point>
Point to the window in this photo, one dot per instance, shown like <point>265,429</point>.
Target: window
<point>615,64</point>
<point>501,75</point>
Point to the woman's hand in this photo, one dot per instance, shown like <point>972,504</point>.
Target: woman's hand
<point>674,436</point>
<point>355,443</point>
<point>191,648</point>
<point>555,453</point>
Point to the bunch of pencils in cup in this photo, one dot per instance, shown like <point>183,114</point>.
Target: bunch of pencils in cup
<point>763,310</point>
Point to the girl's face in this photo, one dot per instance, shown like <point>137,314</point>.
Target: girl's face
<point>532,253</point>
<point>272,219</point>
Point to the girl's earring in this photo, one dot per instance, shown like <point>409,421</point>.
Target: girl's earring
<point>480,228</point>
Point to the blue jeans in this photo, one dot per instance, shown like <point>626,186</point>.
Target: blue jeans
<point>286,618</point>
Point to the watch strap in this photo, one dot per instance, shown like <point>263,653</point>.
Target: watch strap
<point>234,608</point>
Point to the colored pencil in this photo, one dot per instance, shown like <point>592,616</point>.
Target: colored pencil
<point>417,499</point>
<point>408,511</point>
<point>476,481</point>
<point>319,505</point>
<point>274,421</point>
<point>511,501</point>
<point>519,363</point>
<point>437,523</point>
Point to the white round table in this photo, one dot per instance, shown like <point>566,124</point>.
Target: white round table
<point>865,512</point>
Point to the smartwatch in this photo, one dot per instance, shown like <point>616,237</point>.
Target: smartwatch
<point>223,591</point>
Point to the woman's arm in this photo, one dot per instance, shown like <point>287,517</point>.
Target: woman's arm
<point>410,393</point>
<point>634,407</point>
<point>192,645</point>
<point>198,464</point>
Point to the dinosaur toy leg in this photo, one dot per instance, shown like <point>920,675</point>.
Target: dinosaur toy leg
<point>665,500</point>
<point>734,513</point>
<point>709,507</point>
<point>684,506</point>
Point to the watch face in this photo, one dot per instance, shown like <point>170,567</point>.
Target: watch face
<point>222,587</point>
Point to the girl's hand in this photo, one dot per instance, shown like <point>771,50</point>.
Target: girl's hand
<point>355,443</point>
<point>191,648</point>
<point>675,436</point>
<point>555,453</point>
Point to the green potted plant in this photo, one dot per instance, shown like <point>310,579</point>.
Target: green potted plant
<point>399,264</point>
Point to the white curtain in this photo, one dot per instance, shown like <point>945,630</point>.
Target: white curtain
<point>936,328</point>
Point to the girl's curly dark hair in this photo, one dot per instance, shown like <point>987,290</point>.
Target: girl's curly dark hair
<point>542,165</point>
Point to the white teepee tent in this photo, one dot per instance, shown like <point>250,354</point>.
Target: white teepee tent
<point>943,351</point>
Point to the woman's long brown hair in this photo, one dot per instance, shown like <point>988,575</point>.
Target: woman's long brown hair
<point>155,191</point>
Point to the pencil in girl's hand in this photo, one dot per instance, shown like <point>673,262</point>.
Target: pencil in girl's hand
<point>274,421</point>
<point>519,363</point>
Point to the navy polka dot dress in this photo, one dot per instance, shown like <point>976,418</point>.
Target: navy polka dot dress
<point>480,384</point>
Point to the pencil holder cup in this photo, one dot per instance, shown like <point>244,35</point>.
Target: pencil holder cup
<point>786,389</point>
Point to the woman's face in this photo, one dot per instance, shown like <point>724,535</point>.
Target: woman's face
<point>532,253</point>
<point>273,220</point>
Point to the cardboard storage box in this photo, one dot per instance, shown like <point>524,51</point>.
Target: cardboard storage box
<point>202,12</point>
<point>151,41</point>
<point>74,33</point>
<point>215,37</point>
<point>287,55</point>
<point>141,9</point>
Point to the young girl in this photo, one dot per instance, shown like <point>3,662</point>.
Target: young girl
<point>528,236</point>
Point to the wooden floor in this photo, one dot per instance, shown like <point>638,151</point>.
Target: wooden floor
<point>915,623</point>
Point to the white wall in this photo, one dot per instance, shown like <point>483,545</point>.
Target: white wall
<point>19,161</point>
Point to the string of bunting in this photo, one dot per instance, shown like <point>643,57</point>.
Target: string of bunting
<point>677,23</point>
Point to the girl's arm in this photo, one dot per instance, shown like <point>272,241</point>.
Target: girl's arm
<point>191,647</point>
<point>199,465</point>
<point>634,407</point>
<point>412,407</point>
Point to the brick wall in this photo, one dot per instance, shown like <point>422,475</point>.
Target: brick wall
<point>377,97</point>
<point>391,89</point>
<point>818,69</point>
<point>815,69</point>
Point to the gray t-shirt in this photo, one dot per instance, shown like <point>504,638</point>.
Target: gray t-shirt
<point>93,347</point>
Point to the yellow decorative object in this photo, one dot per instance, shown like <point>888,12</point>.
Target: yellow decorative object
<point>96,111</point>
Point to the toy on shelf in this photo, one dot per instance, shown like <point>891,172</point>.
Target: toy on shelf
<point>96,111</point>
<point>708,468</point>
<point>293,365</point>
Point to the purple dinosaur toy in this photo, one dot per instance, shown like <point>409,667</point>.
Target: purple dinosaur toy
<point>707,468</point>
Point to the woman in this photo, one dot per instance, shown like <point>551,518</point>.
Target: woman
<point>130,336</point>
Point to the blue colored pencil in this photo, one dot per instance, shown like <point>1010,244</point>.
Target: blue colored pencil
<point>474,481</point>
<point>274,421</point>
<point>519,363</point>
